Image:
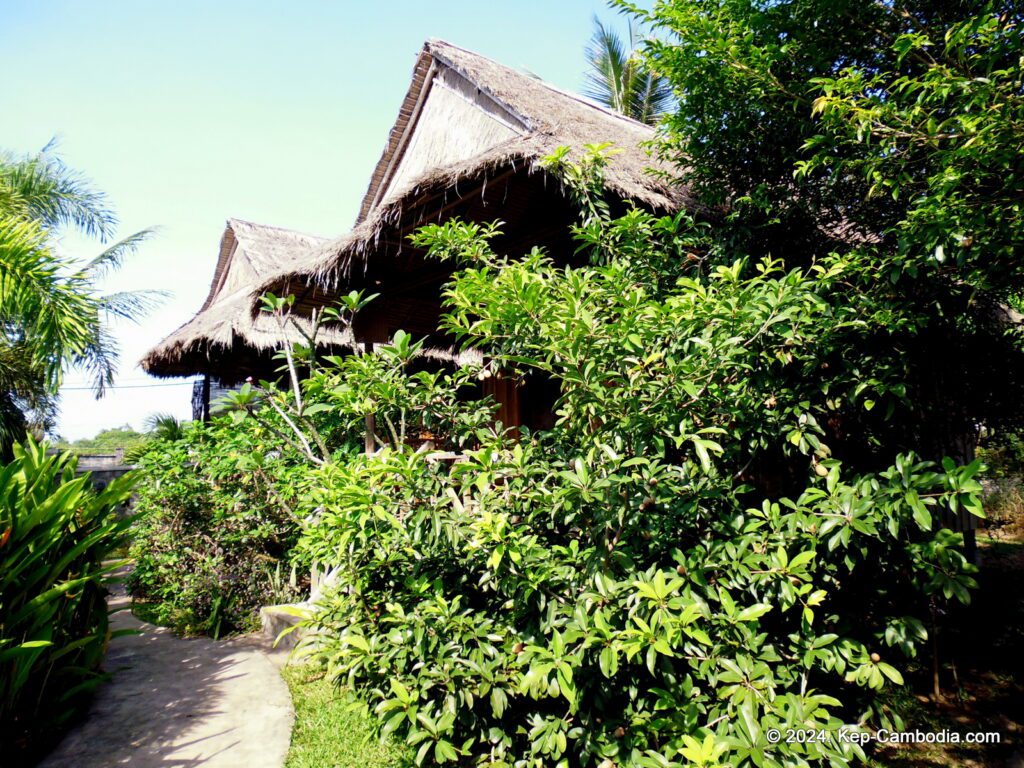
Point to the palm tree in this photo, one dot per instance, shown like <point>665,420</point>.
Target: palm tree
<point>160,428</point>
<point>52,312</point>
<point>619,79</point>
<point>164,426</point>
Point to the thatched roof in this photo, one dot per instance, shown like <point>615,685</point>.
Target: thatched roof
<point>248,254</point>
<point>230,319</point>
<point>465,120</point>
<point>529,120</point>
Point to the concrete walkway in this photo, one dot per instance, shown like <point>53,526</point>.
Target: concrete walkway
<point>175,703</point>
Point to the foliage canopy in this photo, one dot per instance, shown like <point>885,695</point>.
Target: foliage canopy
<point>216,526</point>
<point>679,565</point>
<point>53,314</point>
<point>880,140</point>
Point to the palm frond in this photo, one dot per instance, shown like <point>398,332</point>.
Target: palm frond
<point>131,305</point>
<point>652,98</point>
<point>39,303</point>
<point>113,257</point>
<point>99,359</point>
<point>164,426</point>
<point>618,77</point>
<point>607,60</point>
<point>43,188</point>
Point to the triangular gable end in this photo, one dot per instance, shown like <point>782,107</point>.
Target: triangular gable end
<point>225,257</point>
<point>249,252</point>
<point>235,272</point>
<point>445,119</point>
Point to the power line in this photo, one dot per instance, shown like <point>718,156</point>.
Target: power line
<point>129,386</point>
<point>128,382</point>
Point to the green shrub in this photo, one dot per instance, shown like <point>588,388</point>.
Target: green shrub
<point>679,566</point>
<point>1003,454</point>
<point>56,535</point>
<point>523,610</point>
<point>215,527</point>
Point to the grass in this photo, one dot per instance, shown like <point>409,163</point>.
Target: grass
<point>331,731</point>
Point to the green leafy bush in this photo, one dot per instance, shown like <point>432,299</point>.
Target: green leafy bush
<point>680,565</point>
<point>215,527</point>
<point>218,507</point>
<point>56,535</point>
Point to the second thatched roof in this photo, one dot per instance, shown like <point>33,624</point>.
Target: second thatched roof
<point>249,252</point>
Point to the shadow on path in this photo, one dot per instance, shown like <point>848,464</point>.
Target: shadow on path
<point>179,703</point>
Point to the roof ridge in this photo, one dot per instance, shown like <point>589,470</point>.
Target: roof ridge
<point>539,80</point>
<point>232,220</point>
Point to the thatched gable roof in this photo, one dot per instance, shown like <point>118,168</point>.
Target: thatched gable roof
<point>529,120</point>
<point>248,254</point>
<point>466,121</point>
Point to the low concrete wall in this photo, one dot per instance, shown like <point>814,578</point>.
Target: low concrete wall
<point>278,618</point>
<point>102,477</point>
<point>103,466</point>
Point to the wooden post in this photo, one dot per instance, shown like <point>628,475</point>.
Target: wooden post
<point>505,392</point>
<point>369,444</point>
<point>206,397</point>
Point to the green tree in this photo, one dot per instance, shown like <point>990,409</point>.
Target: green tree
<point>106,440</point>
<point>882,140</point>
<point>53,314</point>
<point>619,79</point>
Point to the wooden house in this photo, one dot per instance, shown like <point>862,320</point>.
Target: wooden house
<point>468,142</point>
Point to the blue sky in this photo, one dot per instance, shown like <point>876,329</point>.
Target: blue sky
<point>186,113</point>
